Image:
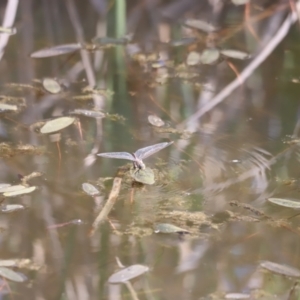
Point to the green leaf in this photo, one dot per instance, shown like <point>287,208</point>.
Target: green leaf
<point>235,54</point>
<point>193,58</point>
<point>280,269</point>
<point>56,50</point>
<point>145,176</point>
<point>90,189</point>
<point>20,192</point>
<point>8,107</point>
<point>88,113</point>
<point>57,124</point>
<point>12,275</point>
<point>182,42</point>
<point>12,188</point>
<point>285,202</point>
<point>199,24</point>
<point>11,208</point>
<point>168,228</point>
<point>237,296</point>
<point>128,274</point>
<point>240,2</point>
<point>51,85</point>
<point>155,121</point>
<point>8,30</point>
<point>209,56</point>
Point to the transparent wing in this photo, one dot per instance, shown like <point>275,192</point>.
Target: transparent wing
<point>147,151</point>
<point>119,155</point>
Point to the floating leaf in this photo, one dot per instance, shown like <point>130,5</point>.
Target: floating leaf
<point>8,30</point>
<point>155,121</point>
<point>239,2</point>
<point>285,202</point>
<point>193,58</point>
<point>182,42</point>
<point>199,24</point>
<point>128,274</point>
<point>209,56</point>
<point>51,85</point>
<point>145,176</point>
<point>280,269</point>
<point>56,50</point>
<point>235,54</point>
<point>237,296</point>
<point>20,192</point>
<point>20,263</point>
<point>12,275</point>
<point>103,41</point>
<point>8,107</point>
<point>12,188</point>
<point>57,124</point>
<point>7,263</point>
<point>11,208</point>
<point>90,189</point>
<point>4,185</point>
<point>168,228</point>
<point>161,64</point>
<point>88,113</point>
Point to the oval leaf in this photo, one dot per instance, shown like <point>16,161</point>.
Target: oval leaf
<point>7,263</point>
<point>11,208</point>
<point>4,185</point>
<point>193,58</point>
<point>12,188</point>
<point>57,124</point>
<point>237,296</point>
<point>145,176</point>
<point>88,113</point>
<point>240,2</point>
<point>20,192</point>
<point>280,269</point>
<point>56,50</point>
<point>199,24</point>
<point>51,85</point>
<point>168,228</point>
<point>285,202</point>
<point>128,273</point>
<point>156,121</point>
<point>8,30</point>
<point>8,107</point>
<point>209,56</point>
<point>182,42</point>
<point>90,189</point>
<point>12,275</point>
<point>235,54</point>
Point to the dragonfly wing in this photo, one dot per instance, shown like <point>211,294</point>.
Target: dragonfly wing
<point>147,151</point>
<point>119,155</point>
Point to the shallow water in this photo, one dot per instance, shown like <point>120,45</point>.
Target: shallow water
<point>213,182</point>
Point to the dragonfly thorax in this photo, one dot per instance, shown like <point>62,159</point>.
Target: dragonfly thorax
<point>138,163</point>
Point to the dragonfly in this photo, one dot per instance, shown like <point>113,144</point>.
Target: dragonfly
<point>138,156</point>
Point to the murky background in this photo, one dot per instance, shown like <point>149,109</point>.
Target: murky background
<point>234,149</point>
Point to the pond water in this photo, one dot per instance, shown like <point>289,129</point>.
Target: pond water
<point>208,227</point>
